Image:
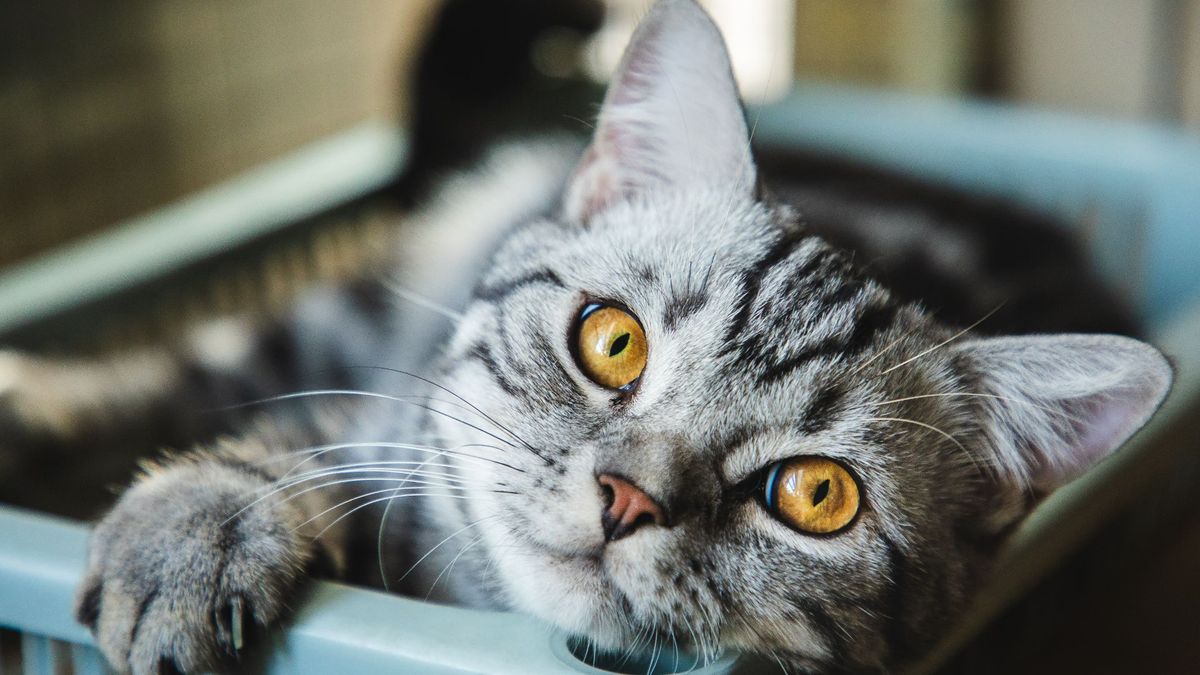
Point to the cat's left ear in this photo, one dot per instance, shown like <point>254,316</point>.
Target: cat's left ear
<point>671,118</point>
<point>1058,404</point>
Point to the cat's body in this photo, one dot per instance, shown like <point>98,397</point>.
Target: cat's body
<point>484,453</point>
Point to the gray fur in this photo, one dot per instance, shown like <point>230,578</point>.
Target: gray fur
<point>765,343</point>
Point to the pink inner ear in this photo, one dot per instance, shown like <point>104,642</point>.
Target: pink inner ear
<point>1065,402</point>
<point>671,119</point>
<point>615,165</point>
<point>1107,425</point>
<point>592,187</point>
<point>1099,428</point>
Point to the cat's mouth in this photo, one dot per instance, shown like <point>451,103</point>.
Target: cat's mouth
<point>591,591</point>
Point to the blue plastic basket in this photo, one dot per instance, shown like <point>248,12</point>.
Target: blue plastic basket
<point>1137,188</point>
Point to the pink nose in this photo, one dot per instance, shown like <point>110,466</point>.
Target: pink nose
<point>627,508</point>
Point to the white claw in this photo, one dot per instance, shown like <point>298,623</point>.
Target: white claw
<point>235,623</point>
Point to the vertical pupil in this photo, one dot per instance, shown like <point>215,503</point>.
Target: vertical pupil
<point>619,344</point>
<point>821,492</point>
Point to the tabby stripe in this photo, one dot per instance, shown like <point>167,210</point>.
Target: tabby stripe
<point>821,410</point>
<point>752,280</point>
<point>547,355</point>
<point>752,348</point>
<point>497,292</point>
<point>681,308</point>
<point>842,292</point>
<point>873,321</point>
<point>482,353</point>
<point>143,606</point>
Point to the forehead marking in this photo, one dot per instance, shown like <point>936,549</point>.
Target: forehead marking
<point>871,321</point>
<point>499,290</point>
<point>752,278</point>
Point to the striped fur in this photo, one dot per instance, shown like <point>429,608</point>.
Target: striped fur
<point>766,342</point>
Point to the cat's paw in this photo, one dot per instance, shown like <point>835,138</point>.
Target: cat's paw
<point>177,575</point>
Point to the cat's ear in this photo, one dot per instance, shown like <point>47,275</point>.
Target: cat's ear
<point>671,117</point>
<point>1058,404</point>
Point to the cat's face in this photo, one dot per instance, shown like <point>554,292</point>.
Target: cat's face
<point>829,469</point>
<point>754,338</point>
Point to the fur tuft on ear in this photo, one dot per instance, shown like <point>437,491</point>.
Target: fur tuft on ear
<point>1062,403</point>
<point>671,116</point>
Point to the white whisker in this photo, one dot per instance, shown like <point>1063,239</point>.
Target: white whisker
<point>387,509</point>
<point>371,502</point>
<point>952,439</point>
<point>945,342</point>
<point>385,397</point>
<point>346,481</point>
<point>448,537</point>
<point>422,301</point>
<point>1031,404</point>
<point>453,452</point>
<point>453,560</point>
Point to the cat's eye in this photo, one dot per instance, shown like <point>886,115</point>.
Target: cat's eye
<point>610,346</point>
<point>812,494</point>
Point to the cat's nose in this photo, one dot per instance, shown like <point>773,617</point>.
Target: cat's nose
<point>627,507</point>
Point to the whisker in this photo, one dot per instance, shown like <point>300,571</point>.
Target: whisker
<point>322,452</point>
<point>453,452</point>
<point>945,342</point>
<point>422,301</point>
<point>387,509</point>
<point>345,481</point>
<point>453,560</point>
<point>1031,404</point>
<point>441,543</point>
<point>952,439</point>
<point>376,501</point>
<point>446,389</point>
<point>405,399</point>
<point>379,478</point>
<point>367,394</point>
<point>884,350</point>
<point>367,467</point>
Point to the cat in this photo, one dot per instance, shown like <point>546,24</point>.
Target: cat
<point>666,409</point>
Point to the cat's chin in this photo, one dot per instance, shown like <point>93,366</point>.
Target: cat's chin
<point>574,592</point>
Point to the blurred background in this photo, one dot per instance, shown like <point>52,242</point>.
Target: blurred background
<point>110,111</point>
<point>107,110</point>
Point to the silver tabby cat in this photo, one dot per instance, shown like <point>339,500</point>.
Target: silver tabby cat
<point>666,412</point>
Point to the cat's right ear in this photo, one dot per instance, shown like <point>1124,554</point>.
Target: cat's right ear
<point>1058,404</point>
<point>671,118</point>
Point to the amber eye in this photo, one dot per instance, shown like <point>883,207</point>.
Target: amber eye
<point>812,494</point>
<point>611,346</point>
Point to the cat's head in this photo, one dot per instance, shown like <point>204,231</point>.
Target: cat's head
<point>709,428</point>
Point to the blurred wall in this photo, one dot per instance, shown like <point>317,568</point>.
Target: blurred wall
<point>1090,55</point>
<point>923,46</point>
<point>758,34</point>
<point>1191,66</point>
<point>1134,59</point>
<point>108,109</point>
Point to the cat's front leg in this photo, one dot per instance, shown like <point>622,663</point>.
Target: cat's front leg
<point>193,556</point>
